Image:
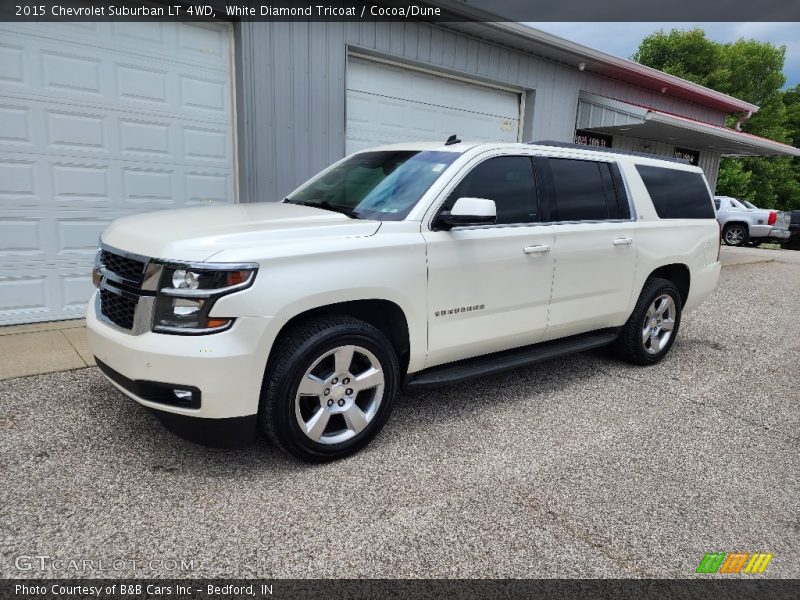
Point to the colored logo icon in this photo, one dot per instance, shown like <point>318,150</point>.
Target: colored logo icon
<point>739,562</point>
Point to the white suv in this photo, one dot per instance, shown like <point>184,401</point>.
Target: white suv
<point>407,265</point>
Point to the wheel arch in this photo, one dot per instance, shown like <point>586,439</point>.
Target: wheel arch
<point>744,224</point>
<point>385,315</point>
<point>676,273</point>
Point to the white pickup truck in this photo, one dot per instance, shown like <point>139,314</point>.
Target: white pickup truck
<point>742,222</point>
<point>408,265</point>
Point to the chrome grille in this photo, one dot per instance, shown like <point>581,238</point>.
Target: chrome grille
<point>130,269</point>
<point>118,309</point>
<point>125,289</point>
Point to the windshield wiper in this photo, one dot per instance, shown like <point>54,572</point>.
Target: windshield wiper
<point>325,205</point>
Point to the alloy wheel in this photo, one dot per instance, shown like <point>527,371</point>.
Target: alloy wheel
<point>734,236</point>
<point>659,322</point>
<point>339,394</point>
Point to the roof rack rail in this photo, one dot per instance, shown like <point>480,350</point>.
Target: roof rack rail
<point>556,144</point>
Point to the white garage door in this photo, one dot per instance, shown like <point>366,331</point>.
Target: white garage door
<point>387,104</point>
<point>97,121</point>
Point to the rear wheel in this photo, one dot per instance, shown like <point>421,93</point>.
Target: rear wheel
<point>329,389</point>
<point>651,329</point>
<point>735,234</point>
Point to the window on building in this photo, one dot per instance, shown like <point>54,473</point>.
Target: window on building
<point>677,194</point>
<point>509,181</point>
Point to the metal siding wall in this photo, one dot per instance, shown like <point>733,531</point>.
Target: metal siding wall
<point>612,88</point>
<point>291,90</point>
<point>709,162</point>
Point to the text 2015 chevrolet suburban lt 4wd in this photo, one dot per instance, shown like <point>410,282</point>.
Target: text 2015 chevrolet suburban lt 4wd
<point>414,264</point>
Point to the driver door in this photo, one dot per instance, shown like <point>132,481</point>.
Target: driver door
<point>489,286</point>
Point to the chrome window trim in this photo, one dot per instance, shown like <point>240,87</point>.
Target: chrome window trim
<point>538,224</point>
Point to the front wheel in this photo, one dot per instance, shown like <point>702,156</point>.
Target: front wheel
<point>329,388</point>
<point>651,329</point>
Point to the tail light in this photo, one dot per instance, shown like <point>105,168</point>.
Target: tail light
<point>773,216</point>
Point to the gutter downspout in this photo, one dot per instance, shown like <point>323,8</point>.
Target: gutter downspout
<point>741,119</point>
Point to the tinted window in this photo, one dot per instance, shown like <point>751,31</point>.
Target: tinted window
<point>716,203</point>
<point>677,194</point>
<point>508,180</point>
<point>582,191</point>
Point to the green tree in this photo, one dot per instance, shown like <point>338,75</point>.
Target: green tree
<point>752,71</point>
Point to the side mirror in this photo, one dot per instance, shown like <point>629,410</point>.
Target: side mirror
<point>467,211</point>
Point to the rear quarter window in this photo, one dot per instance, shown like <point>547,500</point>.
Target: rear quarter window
<point>677,194</point>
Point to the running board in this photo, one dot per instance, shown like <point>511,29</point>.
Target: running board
<point>490,364</point>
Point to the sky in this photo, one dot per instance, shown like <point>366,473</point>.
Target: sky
<point>622,39</point>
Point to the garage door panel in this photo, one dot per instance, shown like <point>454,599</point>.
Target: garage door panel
<point>97,123</point>
<point>392,81</point>
<point>81,184</point>
<point>21,293</point>
<point>31,236</point>
<point>374,120</point>
<point>72,131</point>
<point>70,73</point>
<point>58,130</point>
<point>15,124</point>
<point>12,64</point>
<point>146,138</point>
<point>20,236</point>
<point>18,181</point>
<point>139,83</point>
<point>114,79</point>
<point>204,187</point>
<point>76,289</point>
<point>51,293</point>
<point>204,44</point>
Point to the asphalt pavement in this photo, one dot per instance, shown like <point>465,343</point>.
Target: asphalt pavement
<point>580,467</point>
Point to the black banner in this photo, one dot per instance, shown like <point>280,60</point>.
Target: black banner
<point>733,588</point>
<point>398,10</point>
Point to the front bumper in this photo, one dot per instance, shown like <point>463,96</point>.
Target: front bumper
<point>226,368</point>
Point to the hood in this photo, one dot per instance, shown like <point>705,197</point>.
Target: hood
<point>196,234</point>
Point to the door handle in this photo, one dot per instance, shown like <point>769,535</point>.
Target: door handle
<point>541,249</point>
<point>623,241</point>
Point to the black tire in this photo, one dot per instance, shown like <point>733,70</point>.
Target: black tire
<point>730,231</point>
<point>630,345</point>
<point>294,353</point>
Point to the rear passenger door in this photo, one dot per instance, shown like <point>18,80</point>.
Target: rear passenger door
<point>595,244</point>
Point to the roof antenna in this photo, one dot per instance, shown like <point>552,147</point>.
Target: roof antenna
<point>452,140</point>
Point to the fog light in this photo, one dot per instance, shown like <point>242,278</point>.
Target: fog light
<point>182,394</point>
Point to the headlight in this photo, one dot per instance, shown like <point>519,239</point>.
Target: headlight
<point>187,293</point>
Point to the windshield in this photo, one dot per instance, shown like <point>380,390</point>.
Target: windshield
<point>375,185</point>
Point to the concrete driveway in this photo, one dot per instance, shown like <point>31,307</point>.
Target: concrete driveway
<point>582,467</point>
